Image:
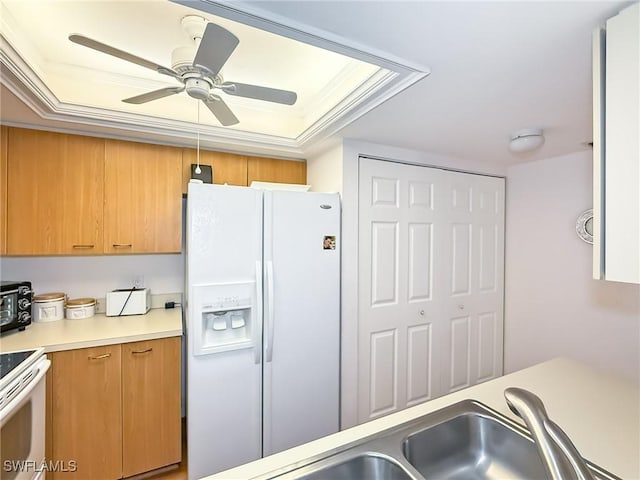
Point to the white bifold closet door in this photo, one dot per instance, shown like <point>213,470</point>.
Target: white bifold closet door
<point>431,281</point>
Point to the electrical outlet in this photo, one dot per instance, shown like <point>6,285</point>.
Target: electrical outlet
<point>138,281</point>
<point>101,306</point>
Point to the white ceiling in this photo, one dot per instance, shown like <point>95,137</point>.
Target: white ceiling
<point>496,67</point>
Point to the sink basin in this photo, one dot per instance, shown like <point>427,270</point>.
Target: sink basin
<point>466,440</point>
<point>470,447</point>
<point>369,466</point>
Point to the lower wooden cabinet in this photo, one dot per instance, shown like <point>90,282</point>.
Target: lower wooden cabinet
<point>151,425</point>
<point>86,411</point>
<point>115,410</point>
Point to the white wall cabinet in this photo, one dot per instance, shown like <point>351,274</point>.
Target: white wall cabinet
<point>431,282</point>
<point>616,58</point>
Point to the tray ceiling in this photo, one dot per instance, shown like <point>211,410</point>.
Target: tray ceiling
<point>335,84</point>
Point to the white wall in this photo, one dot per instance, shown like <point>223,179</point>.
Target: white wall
<point>324,170</point>
<point>351,151</point>
<point>552,305</point>
<point>94,276</point>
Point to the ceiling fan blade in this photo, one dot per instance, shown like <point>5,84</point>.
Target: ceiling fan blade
<point>215,48</point>
<point>259,93</point>
<point>155,95</point>
<point>221,110</point>
<point>109,50</point>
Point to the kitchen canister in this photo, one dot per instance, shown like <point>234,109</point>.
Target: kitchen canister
<point>48,307</point>
<point>80,308</point>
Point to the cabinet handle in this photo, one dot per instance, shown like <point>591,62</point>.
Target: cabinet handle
<point>100,357</point>
<point>83,246</point>
<point>138,352</point>
<point>122,245</point>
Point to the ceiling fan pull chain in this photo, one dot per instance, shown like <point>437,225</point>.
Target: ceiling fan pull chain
<point>198,169</point>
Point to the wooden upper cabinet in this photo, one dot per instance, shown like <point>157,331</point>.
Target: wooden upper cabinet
<point>54,193</point>
<point>143,198</point>
<point>150,405</point>
<point>274,170</point>
<point>66,194</point>
<point>3,190</point>
<point>228,168</point>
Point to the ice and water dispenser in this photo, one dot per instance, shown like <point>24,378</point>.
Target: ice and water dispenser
<point>225,318</point>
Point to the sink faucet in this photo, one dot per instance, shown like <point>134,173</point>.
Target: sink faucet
<point>559,456</point>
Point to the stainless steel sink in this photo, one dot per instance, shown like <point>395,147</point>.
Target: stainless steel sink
<point>470,447</point>
<point>467,440</point>
<point>370,466</point>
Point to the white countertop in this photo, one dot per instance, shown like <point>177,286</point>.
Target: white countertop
<point>95,331</point>
<point>599,412</point>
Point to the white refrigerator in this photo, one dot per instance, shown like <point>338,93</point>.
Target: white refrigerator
<point>263,322</point>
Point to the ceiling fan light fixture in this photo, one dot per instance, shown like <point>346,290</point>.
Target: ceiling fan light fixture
<point>526,140</point>
<point>197,88</point>
<point>197,67</point>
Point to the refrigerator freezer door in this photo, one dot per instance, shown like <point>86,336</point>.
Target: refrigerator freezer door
<point>302,340</point>
<point>224,233</point>
<point>224,327</point>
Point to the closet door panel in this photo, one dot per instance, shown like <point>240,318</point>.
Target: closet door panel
<point>397,313</point>
<point>430,290</point>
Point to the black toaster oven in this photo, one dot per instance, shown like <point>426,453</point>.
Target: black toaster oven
<point>15,305</point>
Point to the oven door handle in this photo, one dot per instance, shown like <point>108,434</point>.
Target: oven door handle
<point>9,409</point>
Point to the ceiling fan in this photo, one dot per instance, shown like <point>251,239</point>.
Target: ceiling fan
<point>197,67</point>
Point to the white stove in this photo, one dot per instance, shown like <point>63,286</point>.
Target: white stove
<point>22,414</point>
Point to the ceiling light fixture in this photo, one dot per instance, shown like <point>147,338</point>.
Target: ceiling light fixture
<point>526,140</point>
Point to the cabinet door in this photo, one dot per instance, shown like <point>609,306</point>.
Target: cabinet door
<point>622,148</point>
<point>55,193</point>
<point>3,190</point>
<point>151,405</point>
<point>227,168</point>
<point>274,170</point>
<point>143,198</point>
<point>87,412</point>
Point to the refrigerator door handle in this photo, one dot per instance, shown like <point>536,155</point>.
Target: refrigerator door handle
<point>257,344</point>
<point>270,320</point>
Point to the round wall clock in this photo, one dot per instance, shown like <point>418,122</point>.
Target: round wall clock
<point>584,226</point>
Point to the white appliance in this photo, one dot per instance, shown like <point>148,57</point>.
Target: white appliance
<point>22,414</point>
<point>128,301</point>
<point>263,322</point>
